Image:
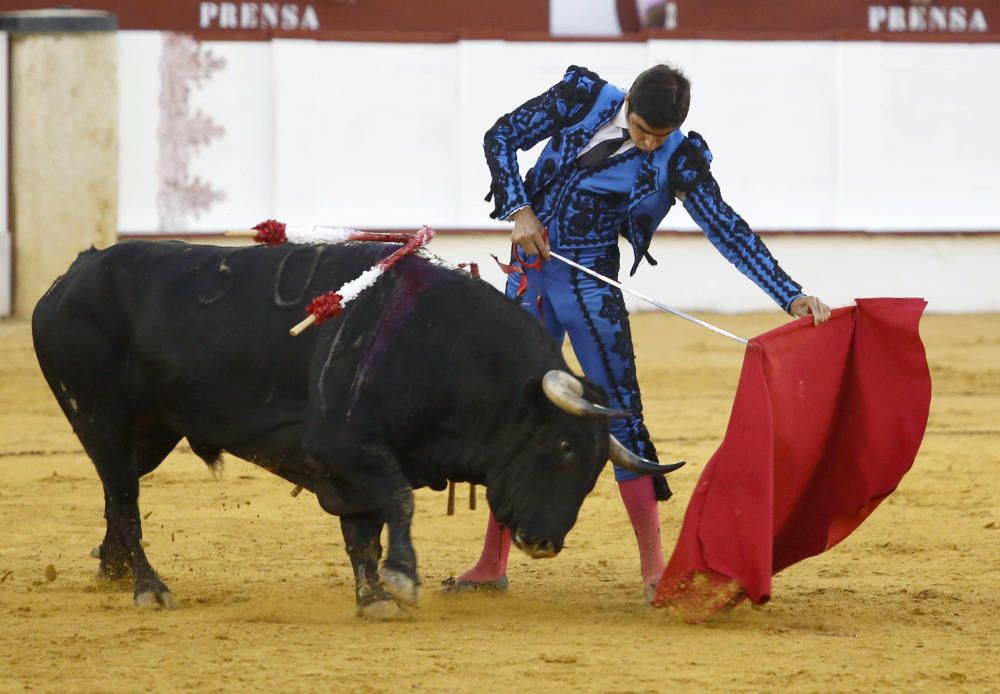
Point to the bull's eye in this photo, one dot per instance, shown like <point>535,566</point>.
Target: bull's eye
<point>566,447</point>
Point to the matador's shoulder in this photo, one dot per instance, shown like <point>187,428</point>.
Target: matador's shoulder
<point>579,85</point>
<point>690,163</point>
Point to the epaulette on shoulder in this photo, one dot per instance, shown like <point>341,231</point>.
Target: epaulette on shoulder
<point>578,91</point>
<point>576,72</point>
<point>697,141</point>
<point>690,163</point>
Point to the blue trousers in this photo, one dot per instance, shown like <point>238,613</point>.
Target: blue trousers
<point>592,313</point>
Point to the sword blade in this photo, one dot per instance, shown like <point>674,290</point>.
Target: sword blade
<point>648,299</point>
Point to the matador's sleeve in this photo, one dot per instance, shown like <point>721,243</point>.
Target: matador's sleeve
<point>529,124</point>
<point>728,232</point>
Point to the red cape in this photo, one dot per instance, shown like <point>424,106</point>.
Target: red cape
<point>825,423</point>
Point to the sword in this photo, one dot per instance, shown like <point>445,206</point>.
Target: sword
<point>654,302</point>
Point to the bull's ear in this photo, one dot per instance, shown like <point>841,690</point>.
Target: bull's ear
<point>533,392</point>
<point>594,393</point>
<point>535,399</point>
<point>567,392</point>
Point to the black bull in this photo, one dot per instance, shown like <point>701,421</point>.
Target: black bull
<point>428,376</point>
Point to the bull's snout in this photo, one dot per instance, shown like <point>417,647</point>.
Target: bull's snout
<point>535,547</point>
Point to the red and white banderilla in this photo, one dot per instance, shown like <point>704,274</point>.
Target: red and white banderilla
<point>332,303</point>
<point>271,232</point>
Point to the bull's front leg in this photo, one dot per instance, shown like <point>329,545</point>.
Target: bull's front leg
<point>399,571</point>
<point>372,484</point>
<point>362,540</point>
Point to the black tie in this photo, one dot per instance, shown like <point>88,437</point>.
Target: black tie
<point>601,151</point>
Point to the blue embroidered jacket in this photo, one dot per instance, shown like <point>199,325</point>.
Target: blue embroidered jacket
<point>568,115</point>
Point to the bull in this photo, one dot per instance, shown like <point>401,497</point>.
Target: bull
<point>428,376</point>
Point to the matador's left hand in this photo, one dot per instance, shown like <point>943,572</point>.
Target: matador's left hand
<point>810,306</point>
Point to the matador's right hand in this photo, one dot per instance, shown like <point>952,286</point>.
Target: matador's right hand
<point>529,233</point>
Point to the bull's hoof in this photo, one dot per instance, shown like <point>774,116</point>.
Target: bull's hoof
<point>383,611</point>
<point>150,599</point>
<point>151,593</point>
<point>399,585</point>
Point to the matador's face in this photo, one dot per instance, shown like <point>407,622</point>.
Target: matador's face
<point>646,137</point>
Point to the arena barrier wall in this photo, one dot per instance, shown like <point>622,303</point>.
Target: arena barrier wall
<point>954,273</point>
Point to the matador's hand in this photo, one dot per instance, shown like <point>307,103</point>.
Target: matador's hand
<point>810,306</point>
<point>529,233</point>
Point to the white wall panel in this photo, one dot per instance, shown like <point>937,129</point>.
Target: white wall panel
<point>952,273</point>
<point>296,128</point>
<point>139,84</point>
<point>806,135</point>
<point>918,137</point>
<point>240,162</point>
<point>368,133</point>
<point>768,113</point>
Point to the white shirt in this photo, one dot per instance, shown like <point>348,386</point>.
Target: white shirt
<point>611,130</point>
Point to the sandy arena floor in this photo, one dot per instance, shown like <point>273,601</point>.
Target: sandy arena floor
<point>910,602</point>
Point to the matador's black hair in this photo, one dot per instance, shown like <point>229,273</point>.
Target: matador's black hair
<point>661,95</point>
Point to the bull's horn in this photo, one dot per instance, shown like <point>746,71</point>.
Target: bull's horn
<point>624,458</point>
<point>566,393</point>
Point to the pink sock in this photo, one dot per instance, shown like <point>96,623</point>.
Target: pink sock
<point>640,502</point>
<point>492,562</point>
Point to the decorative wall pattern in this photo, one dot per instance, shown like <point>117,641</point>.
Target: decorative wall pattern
<point>185,65</point>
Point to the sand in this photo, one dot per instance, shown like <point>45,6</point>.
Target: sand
<point>911,601</point>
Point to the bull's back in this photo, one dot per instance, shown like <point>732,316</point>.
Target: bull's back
<point>147,291</point>
<point>200,333</point>
<point>170,325</point>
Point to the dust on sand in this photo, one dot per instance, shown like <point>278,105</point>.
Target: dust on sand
<point>910,601</point>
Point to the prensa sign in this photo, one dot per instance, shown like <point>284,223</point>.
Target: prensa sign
<point>927,18</point>
<point>286,16</point>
